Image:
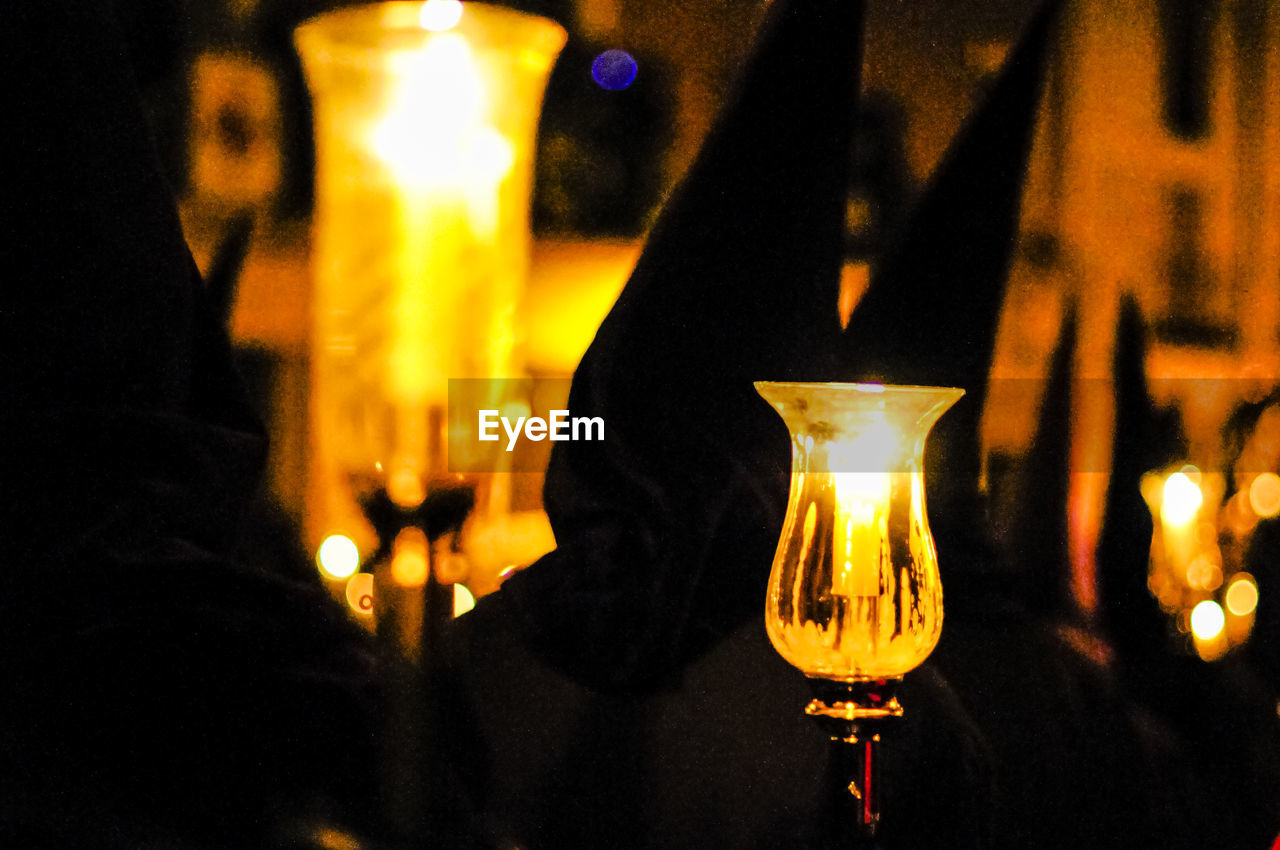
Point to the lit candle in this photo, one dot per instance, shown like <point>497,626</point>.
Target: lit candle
<point>426,117</point>
<point>1179,508</point>
<point>854,594</point>
<point>862,501</point>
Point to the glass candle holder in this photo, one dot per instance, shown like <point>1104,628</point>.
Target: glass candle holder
<point>425,116</point>
<point>855,598</point>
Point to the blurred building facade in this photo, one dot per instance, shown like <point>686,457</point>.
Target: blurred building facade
<point>1154,172</point>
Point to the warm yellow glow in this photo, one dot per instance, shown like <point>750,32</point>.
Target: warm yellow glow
<point>1203,574</point>
<point>425,124</point>
<point>1242,595</point>
<point>329,838</point>
<point>405,486</point>
<point>1264,495</point>
<point>496,547</point>
<point>855,593</point>
<point>463,601</point>
<point>1207,620</point>
<point>440,15</point>
<point>862,505</point>
<point>874,447</point>
<point>435,135</point>
<point>410,563</point>
<point>572,285</point>
<point>338,557</point>
<point>1182,500</point>
<point>360,594</point>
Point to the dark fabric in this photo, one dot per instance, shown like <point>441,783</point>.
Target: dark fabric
<point>930,314</point>
<point>154,691</point>
<point>1011,739</point>
<point>665,529</point>
<point>1036,544</point>
<point>727,760</point>
<point>1223,715</point>
<point>1144,440</point>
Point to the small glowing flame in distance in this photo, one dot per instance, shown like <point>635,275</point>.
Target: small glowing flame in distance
<point>410,561</point>
<point>440,15</point>
<point>1182,499</point>
<point>1207,620</point>
<point>338,557</point>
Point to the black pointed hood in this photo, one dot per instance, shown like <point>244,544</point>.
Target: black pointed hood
<point>931,311</point>
<point>1145,439</point>
<point>1036,553</point>
<point>666,529</point>
<point>116,377</point>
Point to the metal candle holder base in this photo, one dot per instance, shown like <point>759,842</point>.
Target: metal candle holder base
<point>410,622</point>
<point>856,715</point>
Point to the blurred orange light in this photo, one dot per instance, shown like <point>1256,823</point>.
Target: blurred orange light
<point>338,557</point>
<point>1182,499</point>
<point>1207,620</point>
<point>1203,574</point>
<point>409,561</point>
<point>440,15</point>
<point>1264,495</point>
<point>463,601</point>
<point>1242,595</point>
<point>360,594</point>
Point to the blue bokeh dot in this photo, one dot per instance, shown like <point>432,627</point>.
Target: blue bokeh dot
<point>614,70</point>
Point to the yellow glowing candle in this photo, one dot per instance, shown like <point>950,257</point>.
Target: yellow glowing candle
<point>854,594</point>
<point>1179,508</point>
<point>855,599</point>
<point>862,499</point>
<point>425,116</point>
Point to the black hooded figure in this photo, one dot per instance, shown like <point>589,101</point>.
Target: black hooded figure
<point>930,317</point>
<point>1011,738</point>
<point>664,529</point>
<point>1219,719</point>
<point>690,730</point>
<point>155,691</point>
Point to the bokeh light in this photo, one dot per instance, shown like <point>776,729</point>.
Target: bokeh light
<point>1264,495</point>
<point>360,594</point>
<point>338,557</point>
<point>463,601</point>
<point>409,560</point>
<point>1207,620</point>
<point>1203,574</point>
<point>614,70</point>
<point>1242,595</point>
<point>1182,499</point>
<point>440,15</point>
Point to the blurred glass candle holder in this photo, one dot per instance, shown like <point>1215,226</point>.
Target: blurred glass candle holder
<point>855,598</point>
<point>425,117</point>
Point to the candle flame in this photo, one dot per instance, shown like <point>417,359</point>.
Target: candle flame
<point>440,15</point>
<point>434,135</point>
<point>1182,500</point>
